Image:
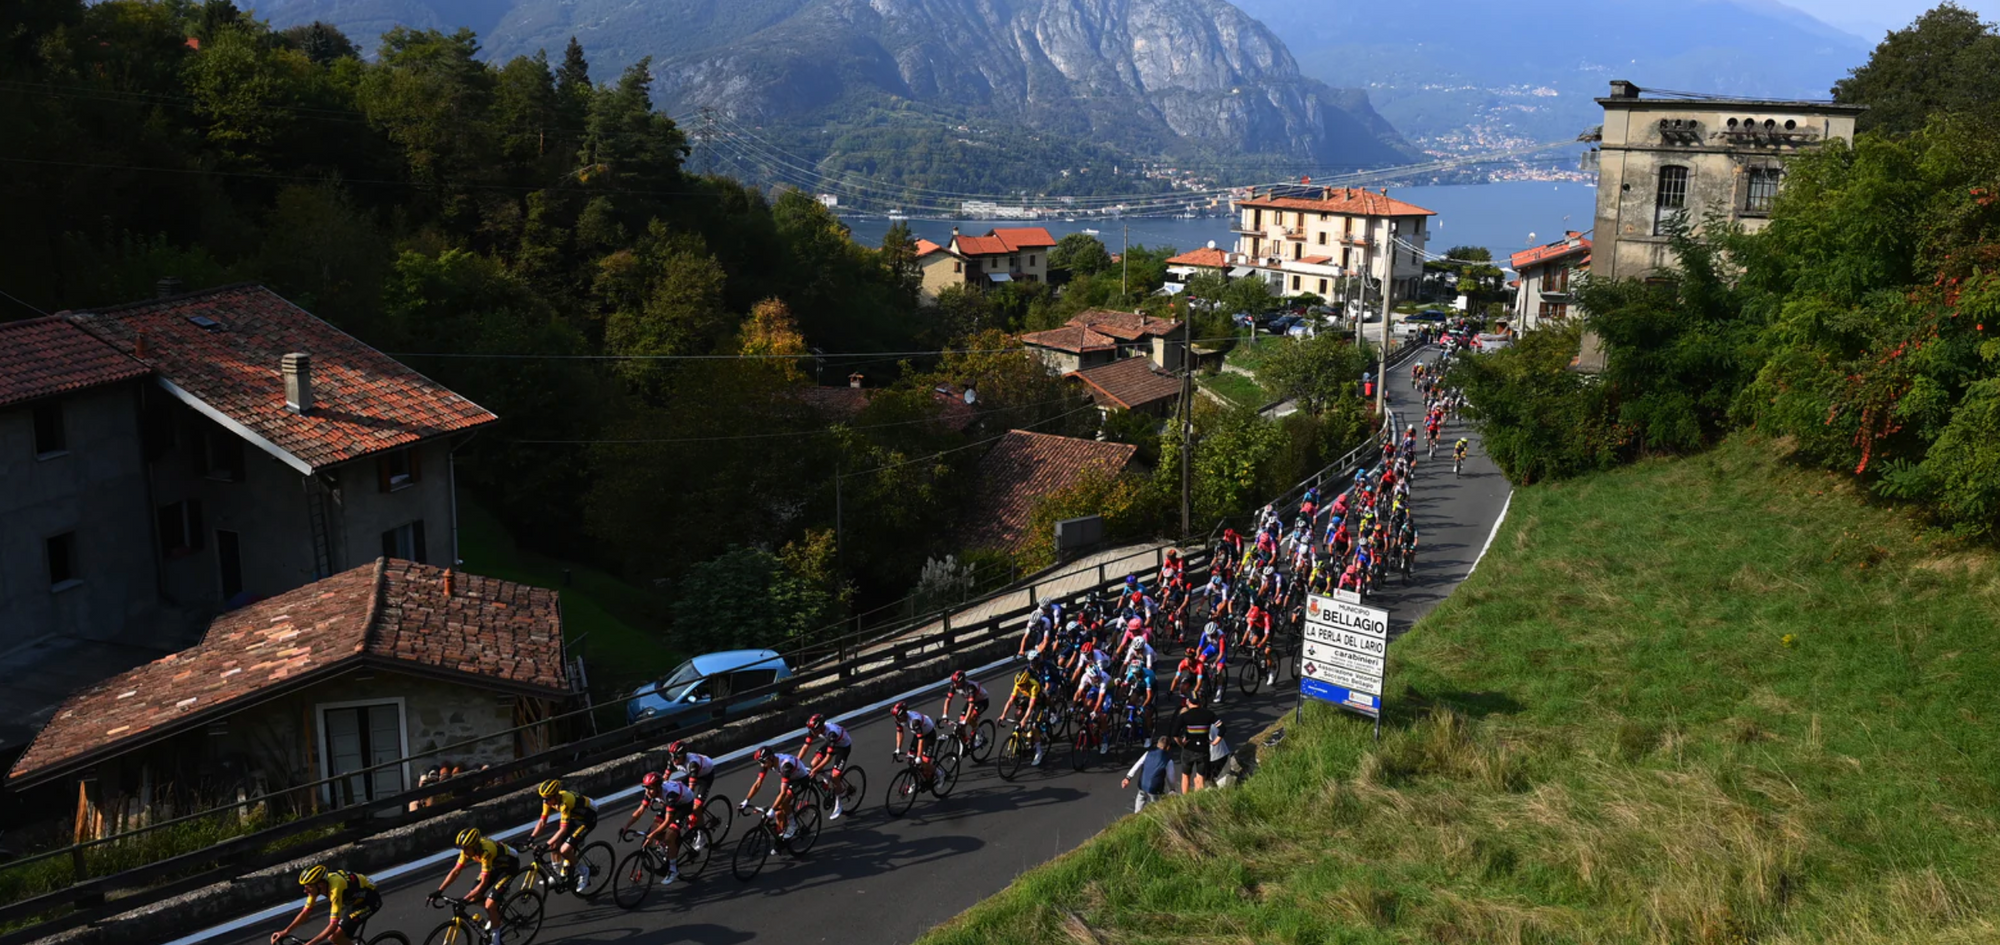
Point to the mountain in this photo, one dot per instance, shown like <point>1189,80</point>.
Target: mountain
<point>1148,78</point>
<point>1472,73</point>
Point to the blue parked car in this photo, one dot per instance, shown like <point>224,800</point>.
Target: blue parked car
<point>705,678</point>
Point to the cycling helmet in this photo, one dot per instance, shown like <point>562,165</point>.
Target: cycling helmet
<point>765,755</point>
<point>313,874</point>
<point>1131,579</point>
<point>1173,552</point>
<point>900,709</point>
<point>677,749</point>
<point>1212,629</point>
<point>548,788</point>
<point>816,722</point>
<point>1190,653</point>
<point>651,781</point>
<point>468,837</point>
<point>1089,646</point>
<point>958,678</point>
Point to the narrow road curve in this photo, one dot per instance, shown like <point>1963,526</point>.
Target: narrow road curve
<point>877,879</point>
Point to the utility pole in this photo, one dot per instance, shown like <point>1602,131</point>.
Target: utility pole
<point>1382,353</point>
<point>1125,260</point>
<point>1187,431</point>
<point>707,137</point>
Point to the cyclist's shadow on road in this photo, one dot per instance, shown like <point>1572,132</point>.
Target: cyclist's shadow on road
<point>700,933</point>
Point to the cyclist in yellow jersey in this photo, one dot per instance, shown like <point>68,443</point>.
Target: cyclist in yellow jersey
<point>576,817</point>
<point>350,898</point>
<point>1027,691</point>
<point>498,863</point>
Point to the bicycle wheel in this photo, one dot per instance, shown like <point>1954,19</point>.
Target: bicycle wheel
<point>751,852</point>
<point>947,777</point>
<point>522,915</point>
<point>633,881</point>
<point>1059,723</point>
<point>453,932</point>
<point>695,849</point>
<point>390,938</point>
<point>855,782</point>
<point>1013,754</point>
<point>593,869</point>
<point>902,792</point>
<point>1249,677</point>
<point>982,741</point>
<point>718,815</point>
<point>808,820</point>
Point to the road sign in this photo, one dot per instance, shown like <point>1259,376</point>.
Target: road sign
<point>1346,647</point>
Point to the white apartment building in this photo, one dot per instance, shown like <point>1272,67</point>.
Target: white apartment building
<point>1323,239</point>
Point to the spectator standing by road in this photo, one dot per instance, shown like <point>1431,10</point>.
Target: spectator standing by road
<point>1195,723</point>
<point>1155,770</point>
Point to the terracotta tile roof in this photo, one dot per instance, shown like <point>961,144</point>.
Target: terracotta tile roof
<point>363,400</point>
<point>1130,383</point>
<point>1571,244</point>
<point>926,247</point>
<point>1074,339</point>
<point>1124,326</point>
<point>42,357</point>
<point>1352,201</point>
<point>843,404</point>
<point>1021,469</point>
<point>1317,260</point>
<point>392,613</point>
<point>1208,257</point>
<point>1007,240</point>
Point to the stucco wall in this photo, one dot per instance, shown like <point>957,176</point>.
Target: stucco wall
<point>96,489</point>
<point>367,511</point>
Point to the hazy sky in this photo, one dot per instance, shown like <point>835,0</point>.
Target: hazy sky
<point>1869,19</point>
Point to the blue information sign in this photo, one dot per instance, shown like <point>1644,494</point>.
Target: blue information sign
<point>1341,696</point>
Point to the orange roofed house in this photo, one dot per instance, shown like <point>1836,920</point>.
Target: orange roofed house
<point>1308,239</point>
<point>1025,467</point>
<point>1008,254</point>
<point>1099,336</point>
<point>1543,291</point>
<point>392,661</point>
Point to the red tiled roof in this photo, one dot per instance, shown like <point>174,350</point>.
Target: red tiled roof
<point>1002,241</point>
<point>392,613</point>
<point>363,400</point>
<point>42,357</point>
<point>1130,383</point>
<point>1207,257</point>
<point>1352,201</point>
<point>1124,326</point>
<point>1021,469</point>
<point>1317,260</point>
<point>926,247</point>
<point>1074,339</point>
<point>1571,244</point>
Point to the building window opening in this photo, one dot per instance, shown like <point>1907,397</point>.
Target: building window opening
<point>1763,190</point>
<point>1670,203</point>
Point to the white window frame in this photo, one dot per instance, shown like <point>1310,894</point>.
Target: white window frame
<point>325,745</point>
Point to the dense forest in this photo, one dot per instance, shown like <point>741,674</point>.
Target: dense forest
<point>1863,323</point>
<point>528,233</point>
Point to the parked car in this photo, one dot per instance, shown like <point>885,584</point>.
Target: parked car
<point>1303,330</point>
<point>1282,324</point>
<point>1429,315</point>
<point>1243,320</point>
<point>706,678</point>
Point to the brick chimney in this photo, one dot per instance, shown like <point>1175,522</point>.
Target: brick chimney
<point>140,349</point>
<point>168,285</point>
<point>297,370</point>
<point>1623,89</point>
<point>447,583</point>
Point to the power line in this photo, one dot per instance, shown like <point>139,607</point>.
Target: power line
<point>23,304</point>
<point>956,449</point>
<point>766,436</point>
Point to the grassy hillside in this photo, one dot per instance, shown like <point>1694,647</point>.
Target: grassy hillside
<point>1712,700</point>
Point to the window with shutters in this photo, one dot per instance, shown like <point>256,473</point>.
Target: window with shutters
<point>180,528</point>
<point>51,439</point>
<point>398,469</point>
<point>354,739</point>
<point>405,542</point>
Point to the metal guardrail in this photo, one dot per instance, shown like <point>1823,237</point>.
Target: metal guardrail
<point>240,855</point>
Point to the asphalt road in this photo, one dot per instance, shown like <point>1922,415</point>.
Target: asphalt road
<point>873,878</point>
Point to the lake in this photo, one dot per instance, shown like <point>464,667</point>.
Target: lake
<point>1504,217</point>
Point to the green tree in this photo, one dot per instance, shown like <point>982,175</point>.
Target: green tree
<point>746,597</point>
<point>1080,253</point>
<point>574,90</point>
<point>626,143</point>
<point>243,89</point>
<point>1947,60</point>
<point>1315,371</point>
<point>320,42</point>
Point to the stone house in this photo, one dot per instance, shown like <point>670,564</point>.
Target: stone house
<point>1131,384</point>
<point>938,269</point>
<point>1024,467</point>
<point>1665,159</point>
<point>1306,239</point>
<point>1098,336</point>
<point>391,663</point>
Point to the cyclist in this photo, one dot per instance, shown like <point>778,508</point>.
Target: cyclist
<point>1029,694</point>
<point>1093,693</point>
<point>498,864</point>
<point>1190,675</point>
<point>1039,636</point>
<point>835,744</point>
<point>791,774</point>
<point>350,899</point>
<point>922,732</point>
<point>674,805</point>
<point>697,769</point>
<point>576,818</point>
<point>1406,539</point>
<point>976,699</point>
